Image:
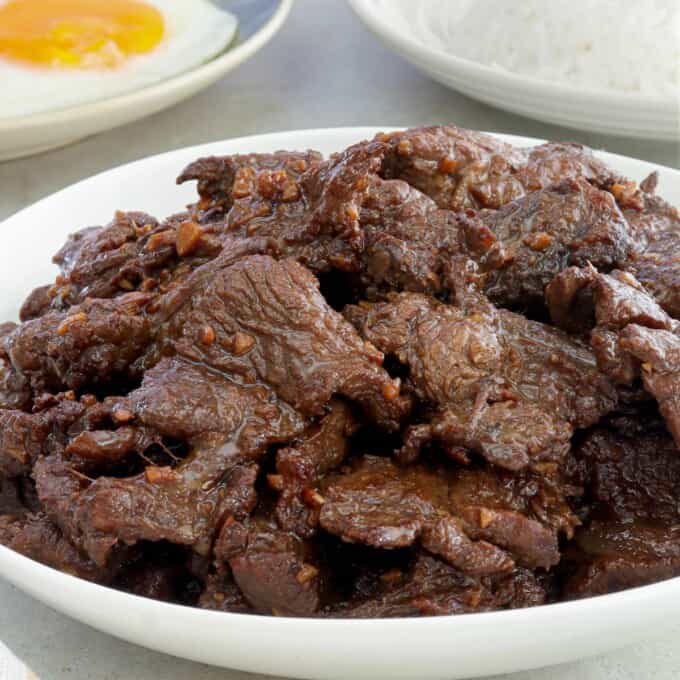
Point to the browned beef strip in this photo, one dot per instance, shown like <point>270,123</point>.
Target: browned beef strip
<point>25,436</point>
<point>35,536</point>
<point>613,301</point>
<point>276,571</point>
<point>59,483</point>
<point>86,345</point>
<point>227,426</point>
<point>542,495</point>
<point>656,227</point>
<point>15,391</point>
<point>659,352</point>
<point>22,436</point>
<point>632,478</point>
<point>511,434</point>
<point>300,468</point>
<point>260,319</point>
<point>385,506</point>
<point>132,253</point>
<point>632,537</point>
<point>614,557</point>
<point>468,363</point>
<point>647,340</point>
<point>339,214</point>
<point>522,246</point>
<point>461,168</point>
<point>93,260</point>
<point>224,180</point>
<point>406,241</point>
<point>37,303</point>
<point>431,587</point>
<point>633,335</point>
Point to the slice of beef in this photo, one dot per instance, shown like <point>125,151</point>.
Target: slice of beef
<point>522,246</point>
<point>431,587</point>
<point>300,468</point>
<point>91,263</point>
<point>22,436</point>
<point>277,572</point>
<point>386,506</point>
<point>580,298</point>
<point>59,484</point>
<point>132,253</point>
<point>37,303</point>
<point>223,181</point>
<point>260,319</point>
<point>461,168</point>
<point>227,426</point>
<point>615,557</point>
<point>25,436</point>
<point>293,201</point>
<point>632,536</point>
<point>511,434</point>
<point>406,241</point>
<point>35,536</point>
<point>656,226</point>
<point>15,392</point>
<point>482,370</point>
<point>633,336</point>
<point>541,495</point>
<point>86,345</point>
<point>632,477</point>
<point>659,352</point>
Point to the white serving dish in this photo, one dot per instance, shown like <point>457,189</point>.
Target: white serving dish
<point>22,136</point>
<point>604,112</point>
<point>442,648</point>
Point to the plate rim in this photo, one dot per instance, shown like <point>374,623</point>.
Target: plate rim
<point>211,69</point>
<point>417,51</point>
<point>15,567</point>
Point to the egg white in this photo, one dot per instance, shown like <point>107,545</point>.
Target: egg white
<point>195,32</point>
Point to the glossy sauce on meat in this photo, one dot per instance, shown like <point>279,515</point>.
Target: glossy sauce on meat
<point>431,374</point>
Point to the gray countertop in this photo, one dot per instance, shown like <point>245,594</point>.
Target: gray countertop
<point>350,79</point>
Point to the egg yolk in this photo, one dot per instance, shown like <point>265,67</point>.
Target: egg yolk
<point>87,34</point>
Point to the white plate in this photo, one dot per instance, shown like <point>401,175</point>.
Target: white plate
<point>258,20</point>
<point>444,647</point>
<point>623,114</point>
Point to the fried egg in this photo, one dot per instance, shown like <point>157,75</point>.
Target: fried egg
<point>56,54</point>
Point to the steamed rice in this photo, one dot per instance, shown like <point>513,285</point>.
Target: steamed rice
<point>625,45</point>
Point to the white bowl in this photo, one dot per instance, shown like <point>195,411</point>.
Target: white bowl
<point>22,136</point>
<point>445,647</point>
<point>605,112</point>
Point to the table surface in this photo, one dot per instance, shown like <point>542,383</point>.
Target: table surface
<point>352,80</point>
